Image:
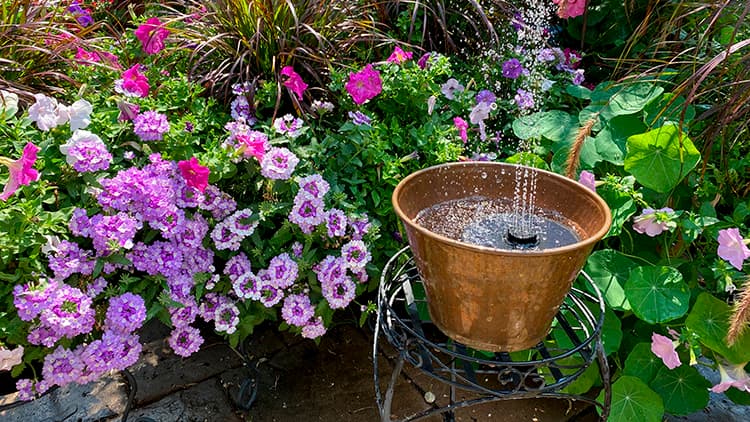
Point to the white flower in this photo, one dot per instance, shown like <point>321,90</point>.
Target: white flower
<point>10,358</point>
<point>78,136</point>
<point>450,88</point>
<point>8,104</point>
<point>79,114</point>
<point>431,104</point>
<point>44,112</point>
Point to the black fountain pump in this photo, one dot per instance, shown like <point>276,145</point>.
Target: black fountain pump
<point>522,240</point>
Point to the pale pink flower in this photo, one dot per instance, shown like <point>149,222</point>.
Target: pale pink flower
<point>152,35</point>
<point>732,376</point>
<point>653,222</point>
<point>78,114</point>
<point>664,348</point>
<point>294,81</point>
<point>570,8</point>
<point>10,358</point>
<point>22,171</point>
<point>364,85</point>
<point>586,178</point>
<point>399,56</point>
<point>44,112</point>
<point>732,247</point>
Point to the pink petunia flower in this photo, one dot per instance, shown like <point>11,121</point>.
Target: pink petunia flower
<point>732,376</point>
<point>570,8</point>
<point>22,171</point>
<point>462,127</point>
<point>653,222</point>
<point>253,144</point>
<point>399,56</point>
<point>586,178</point>
<point>732,247</point>
<point>364,85</point>
<point>294,81</point>
<point>86,57</point>
<point>194,173</point>
<point>152,35</point>
<point>664,348</point>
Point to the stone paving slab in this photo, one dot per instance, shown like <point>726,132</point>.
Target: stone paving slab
<point>97,400</point>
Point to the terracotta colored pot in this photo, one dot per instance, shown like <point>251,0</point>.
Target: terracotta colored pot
<point>492,299</point>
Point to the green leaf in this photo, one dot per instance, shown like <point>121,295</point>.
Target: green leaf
<point>611,332</point>
<point>660,158</point>
<point>662,111</point>
<point>578,91</point>
<point>629,99</point>
<point>583,383</point>
<point>642,363</point>
<point>657,294</point>
<point>683,389</point>
<point>709,318</point>
<point>609,269</point>
<point>633,400</point>
<point>527,159</point>
<point>738,396</point>
<point>622,207</point>
<point>554,125</point>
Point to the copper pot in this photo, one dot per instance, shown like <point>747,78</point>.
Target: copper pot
<point>492,299</point>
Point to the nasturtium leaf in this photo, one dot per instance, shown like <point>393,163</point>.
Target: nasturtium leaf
<point>660,158</point>
<point>668,109</point>
<point>633,400</point>
<point>588,158</point>
<point>612,139</point>
<point>709,318</point>
<point>554,125</point>
<point>609,269</point>
<point>738,396</point>
<point>622,207</point>
<point>587,379</point>
<point>608,149</point>
<point>528,159</point>
<point>578,91</point>
<point>611,332</point>
<point>642,363</point>
<point>683,389</point>
<point>657,294</point>
<point>630,99</point>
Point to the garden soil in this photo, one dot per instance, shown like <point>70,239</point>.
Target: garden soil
<point>282,378</point>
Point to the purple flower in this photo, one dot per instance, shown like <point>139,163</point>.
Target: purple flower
<point>109,233</point>
<point>356,254</point>
<point>424,61</point>
<point>512,68</point>
<point>359,118</point>
<point>339,292</point>
<point>184,315</point>
<point>732,247</point>
<point>524,99</point>
<point>307,213</point>
<point>283,271</point>
<point>278,163</point>
<point>297,310</point>
<point>150,126</point>
<point>288,125</point>
<point>653,222</point>
<point>68,259</point>
<point>664,348</point>
<point>68,312</point>
<point>297,248</point>
<point>225,238</point>
<point>247,286</point>
<point>226,317</point>
<point>578,77</point>
<point>96,287</point>
<point>314,329</point>
<point>270,295</point>
<point>360,227</point>
<point>586,178</point>
<point>312,186</point>
<point>30,300</point>
<point>242,222</point>
<point>126,313</point>
<point>364,85</point>
<point>242,110</point>
<point>62,367</point>
<point>450,88</point>
<point>185,340</point>
<point>336,223</point>
<point>237,266</point>
<point>486,96</point>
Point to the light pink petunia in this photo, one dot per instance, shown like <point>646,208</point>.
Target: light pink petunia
<point>152,35</point>
<point>22,171</point>
<point>570,8</point>
<point>364,85</point>
<point>664,348</point>
<point>293,81</point>
<point>586,178</point>
<point>10,358</point>
<point>653,222</point>
<point>732,376</point>
<point>732,247</point>
<point>194,173</point>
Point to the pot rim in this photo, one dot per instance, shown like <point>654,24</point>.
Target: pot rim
<point>590,241</point>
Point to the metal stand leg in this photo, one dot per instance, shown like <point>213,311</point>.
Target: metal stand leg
<point>604,374</point>
<point>385,412</point>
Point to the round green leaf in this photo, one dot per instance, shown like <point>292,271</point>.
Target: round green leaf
<point>622,206</point>
<point>709,318</point>
<point>554,125</point>
<point>657,294</point>
<point>683,389</point>
<point>642,363</point>
<point>738,396</point>
<point>609,270</point>
<point>633,400</point>
<point>611,332</point>
<point>660,158</point>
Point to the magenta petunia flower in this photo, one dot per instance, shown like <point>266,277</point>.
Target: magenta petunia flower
<point>364,85</point>
<point>399,56</point>
<point>664,348</point>
<point>22,171</point>
<point>152,35</point>
<point>293,81</point>
<point>462,127</point>
<point>732,247</point>
<point>194,173</point>
<point>133,83</point>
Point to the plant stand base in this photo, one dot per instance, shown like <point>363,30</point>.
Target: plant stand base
<point>573,344</point>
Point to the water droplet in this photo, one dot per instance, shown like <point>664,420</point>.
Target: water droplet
<point>484,175</point>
